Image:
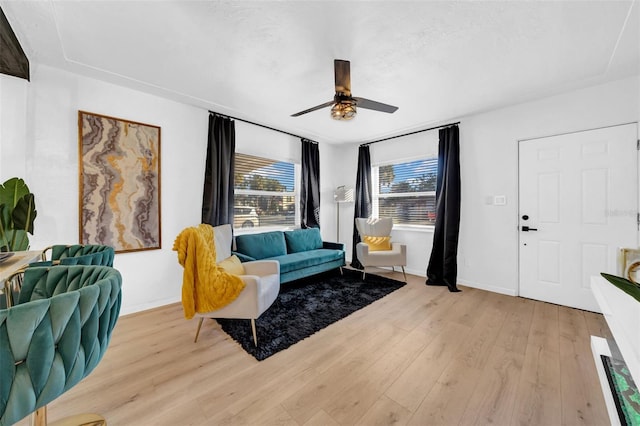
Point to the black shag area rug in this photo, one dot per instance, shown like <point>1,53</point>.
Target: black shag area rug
<point>306,306</point>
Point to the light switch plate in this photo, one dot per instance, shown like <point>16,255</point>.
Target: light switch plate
<point>499,200</point>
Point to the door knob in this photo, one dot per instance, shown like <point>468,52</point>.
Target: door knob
<point>527,229</point>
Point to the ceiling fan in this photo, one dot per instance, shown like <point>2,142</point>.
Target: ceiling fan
<point>343,105</point>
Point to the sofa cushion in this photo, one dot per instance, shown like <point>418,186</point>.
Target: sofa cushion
<point>300,260</point>
<point>303,240</point>
<point>262,245</point>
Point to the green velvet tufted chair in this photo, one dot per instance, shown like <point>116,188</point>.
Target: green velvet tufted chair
<point>78,254</point>
<point>55,335</point>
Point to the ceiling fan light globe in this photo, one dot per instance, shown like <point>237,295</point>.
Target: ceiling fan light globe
<point>343,111</point>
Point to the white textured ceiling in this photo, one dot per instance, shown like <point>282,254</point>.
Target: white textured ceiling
<point>262,61</point>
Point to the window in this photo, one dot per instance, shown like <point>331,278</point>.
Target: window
<point>406,191</point>
<point>266,193</point>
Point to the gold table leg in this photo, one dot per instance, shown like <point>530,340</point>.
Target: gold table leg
<point>39,418</point>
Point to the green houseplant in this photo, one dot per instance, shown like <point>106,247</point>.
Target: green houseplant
<point>17,214</point>
<point>629,287</point>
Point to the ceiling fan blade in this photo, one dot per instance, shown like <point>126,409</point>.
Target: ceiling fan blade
<point>376,106</point>
<point>342,73</point>
<point>324,105</point>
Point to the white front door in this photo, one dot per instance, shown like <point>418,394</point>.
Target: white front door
<point>578,206</point>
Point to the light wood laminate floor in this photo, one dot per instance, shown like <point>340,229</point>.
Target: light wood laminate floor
<point>420,356</point>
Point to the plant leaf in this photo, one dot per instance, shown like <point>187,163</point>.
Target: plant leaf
<point>24,213</point>
<point>5,216</point>
<point>629,287</point>
<point>12,190</point>
<point>5,222</point>
<point>17,214</point>
<point>5,240</point>
<point>16,240</point>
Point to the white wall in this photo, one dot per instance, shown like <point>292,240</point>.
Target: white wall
<point>488,256</point>
<point>488,248</point>
<point>329,180</point>
<point>13,105</point>
<point>45,153</point>
<point>39,141</point>
<point>344,165</point>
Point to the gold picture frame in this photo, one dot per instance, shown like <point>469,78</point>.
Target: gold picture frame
<point>119,183</point>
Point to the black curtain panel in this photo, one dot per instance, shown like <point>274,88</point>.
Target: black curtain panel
<point>310,190</point>
<point>217,198</point>
<point>363,198</point>
<point>443,267</point>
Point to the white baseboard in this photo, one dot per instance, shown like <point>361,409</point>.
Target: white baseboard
<point>492,288</point>
<point>398,269</point>
<point>146,306</point>
<point>416,272</point>
<point>467,283</point>
<point>473,284</point>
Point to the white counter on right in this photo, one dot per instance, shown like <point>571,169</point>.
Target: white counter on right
<point>622,313</point>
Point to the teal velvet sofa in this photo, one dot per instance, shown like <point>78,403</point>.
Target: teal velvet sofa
<point>300,252</point>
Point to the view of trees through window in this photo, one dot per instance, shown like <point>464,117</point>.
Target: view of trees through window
<point>265,192</point>
<point>406,191</point>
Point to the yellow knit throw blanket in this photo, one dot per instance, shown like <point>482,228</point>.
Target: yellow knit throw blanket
<point>205,286</point>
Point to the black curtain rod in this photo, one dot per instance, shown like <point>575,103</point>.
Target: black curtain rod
<point>259,125</point>
<point>411,133</point>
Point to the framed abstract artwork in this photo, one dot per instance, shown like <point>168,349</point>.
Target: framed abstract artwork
<point>119,183</point>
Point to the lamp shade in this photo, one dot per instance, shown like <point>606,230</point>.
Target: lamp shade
<point>342,194</point>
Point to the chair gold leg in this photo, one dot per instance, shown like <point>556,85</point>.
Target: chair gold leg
<point>81,420</point>
<point>341,272</point>
<point>39,417</point>
<point>363,274</point>
<point>253,329</point>
<point>405,275</point>
<point>8,293</point>
<point>198,330</point>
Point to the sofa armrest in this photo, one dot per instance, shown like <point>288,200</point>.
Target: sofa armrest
<point>243,257</point>
<point>333,246</point>
<point>262,267</point>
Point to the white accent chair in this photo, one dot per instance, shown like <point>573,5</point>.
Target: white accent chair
<point>381,227</point>
<point>262,280</point>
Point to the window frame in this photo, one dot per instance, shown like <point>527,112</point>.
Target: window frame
<point>376,195</point>
<point>297,174</point>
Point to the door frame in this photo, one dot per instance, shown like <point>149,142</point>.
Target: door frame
<point>637,124</point>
